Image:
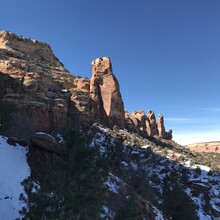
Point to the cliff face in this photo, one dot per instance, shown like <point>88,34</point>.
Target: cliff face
<point>32,77</point>
<point>45,92</point>
<point>205,147</point>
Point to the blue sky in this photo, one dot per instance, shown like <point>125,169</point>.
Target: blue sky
<point>165,54</point>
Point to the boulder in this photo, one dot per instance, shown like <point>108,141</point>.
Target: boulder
<point>45,142</point>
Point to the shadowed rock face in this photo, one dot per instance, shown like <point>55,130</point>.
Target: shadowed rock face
<point>105,93</point>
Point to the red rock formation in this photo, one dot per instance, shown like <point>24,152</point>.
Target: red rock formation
<point>140,115</point>
<point>160,126</point>
<point>141,118</point>
<point>147,125</point>
<point>129,124</point>
<point>134,122</point>
<point>151,124</point>
<point>45,92</point>
<point>107,106</point>
<point>37,82</point>
<point>205,147</point>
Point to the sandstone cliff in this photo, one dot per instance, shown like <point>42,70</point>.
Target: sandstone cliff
<point>206,147</point>
<point>46,93</point>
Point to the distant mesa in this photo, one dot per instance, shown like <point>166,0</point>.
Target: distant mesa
<point>45,92</point>
<point>205,147</point>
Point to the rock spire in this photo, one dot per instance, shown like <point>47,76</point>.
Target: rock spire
<point>107,106</point>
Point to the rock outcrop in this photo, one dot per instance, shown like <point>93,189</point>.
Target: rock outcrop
<point>107,107</point>
<point>141,119</point>
<point>34,79</point>
<point>137,121</point>
<point>151,124</point>
<point>47,94</point>
<point>160,126</point>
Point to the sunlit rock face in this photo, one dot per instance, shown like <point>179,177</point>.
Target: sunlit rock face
<point>107,106</point>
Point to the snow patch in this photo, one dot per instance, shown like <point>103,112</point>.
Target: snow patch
<point>113,183</point>
<point>13,170</point>
<point>159,215</point>
<point>107,213</point>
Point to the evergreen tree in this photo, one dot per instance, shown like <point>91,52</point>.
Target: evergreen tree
<point>72,189</point>
<point>127,210</point>
<point>176,203</point>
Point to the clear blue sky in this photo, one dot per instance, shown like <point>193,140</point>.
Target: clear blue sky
<point>165,54</point>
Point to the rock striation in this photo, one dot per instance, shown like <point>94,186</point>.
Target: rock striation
<point>46,93</point>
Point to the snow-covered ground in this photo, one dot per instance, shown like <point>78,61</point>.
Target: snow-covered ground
<point>13,170</point>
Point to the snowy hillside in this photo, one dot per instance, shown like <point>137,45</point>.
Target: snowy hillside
<point>13,170</point>
<point>141,178</point>
<point>154,168</point>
